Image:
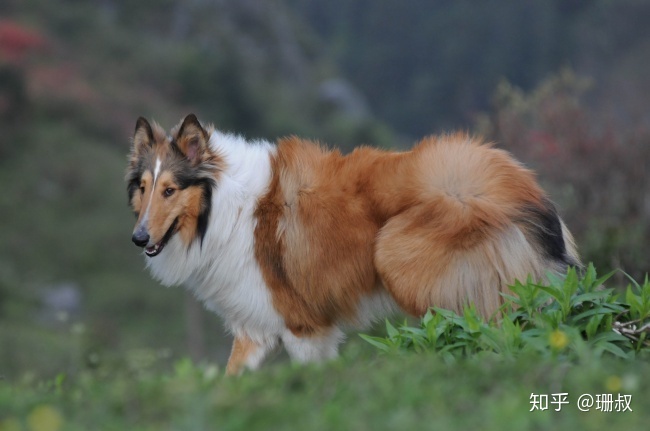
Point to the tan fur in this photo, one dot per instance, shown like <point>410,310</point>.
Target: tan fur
<point>316,223</point>
<point>190,204</point>
<point>457,242</point>
<point>437,226</point>
<point>242,348</point>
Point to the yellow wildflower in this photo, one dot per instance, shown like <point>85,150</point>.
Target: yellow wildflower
<point>558,340</point>
<point>44,418</point>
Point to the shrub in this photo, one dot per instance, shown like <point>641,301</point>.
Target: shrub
<point>572,317</point>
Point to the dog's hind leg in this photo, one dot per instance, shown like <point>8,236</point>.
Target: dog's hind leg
<point>314,347</point>
<point>422,266</point>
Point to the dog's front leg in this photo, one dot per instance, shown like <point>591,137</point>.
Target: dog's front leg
<point>247,353</point>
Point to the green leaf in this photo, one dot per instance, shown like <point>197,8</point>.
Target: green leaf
<point>601,281</point>
<point>592,296</point>
<point>617,351</point>
<point>589,313</point>
<point>592,326</point>
<point>493,338</point>
<point>471,318</point>
<point>392,332</point>
<point>634,301</point>
<point>556,293</point>
<point>428,317</point>
<point>380,343</point>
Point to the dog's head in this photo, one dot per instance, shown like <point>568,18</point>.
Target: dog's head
<point>169,182</point>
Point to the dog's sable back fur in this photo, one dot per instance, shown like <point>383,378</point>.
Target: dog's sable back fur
<point>326,240</point>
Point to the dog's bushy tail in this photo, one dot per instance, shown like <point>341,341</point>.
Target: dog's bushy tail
<point>479,223</point>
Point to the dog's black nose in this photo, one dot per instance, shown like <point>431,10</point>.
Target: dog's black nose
<point>140,237</point>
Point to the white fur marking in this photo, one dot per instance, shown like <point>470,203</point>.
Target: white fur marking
<point>255,359</point>
<point>372,308</point>
<point>313,349</point>
<point>156,171</point>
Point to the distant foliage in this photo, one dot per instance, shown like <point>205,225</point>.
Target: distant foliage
<point>428,66</point>
<point>572,317</point>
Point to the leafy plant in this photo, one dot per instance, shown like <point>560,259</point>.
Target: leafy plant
<point>573,317</point>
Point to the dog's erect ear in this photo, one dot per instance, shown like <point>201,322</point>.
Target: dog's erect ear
<point>192,139</point>
<point>143,136</point>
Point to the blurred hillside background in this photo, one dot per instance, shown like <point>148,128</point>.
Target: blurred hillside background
<point>563,84</point>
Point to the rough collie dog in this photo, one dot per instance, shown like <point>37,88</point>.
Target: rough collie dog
<point>292,242</point>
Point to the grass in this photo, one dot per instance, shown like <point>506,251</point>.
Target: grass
<point>452,372</point>
<point>360,391</point>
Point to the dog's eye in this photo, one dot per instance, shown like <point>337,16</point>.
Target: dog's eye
<point>168,192</point>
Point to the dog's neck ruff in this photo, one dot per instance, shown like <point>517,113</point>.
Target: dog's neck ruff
<point>217,269</point>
